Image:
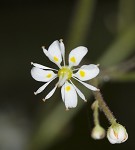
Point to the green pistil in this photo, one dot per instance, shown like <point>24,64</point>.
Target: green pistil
<point>65,71</point>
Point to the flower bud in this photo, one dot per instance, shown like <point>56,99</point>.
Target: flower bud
<point>98,132</point>
<point>117,133</point>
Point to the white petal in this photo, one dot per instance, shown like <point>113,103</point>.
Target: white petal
<point>87,85</point>
<point>45,51</point>
<point>43,87</point>
<point>42,67</point>
<point>87,72</point>
<point>63,93</point>
<point>47,54</point>
<point>42,75</point>
<point>121,135</point>
<point>112,134</point>
<point>50,93</point>
<point>112,141</point>
<point>70,96</point>
<point>55,52</point>
<point>126,137</point>
<point>76,55</point>
<point>79,92</point>
<point>62,80</point>
<point>62,47</point>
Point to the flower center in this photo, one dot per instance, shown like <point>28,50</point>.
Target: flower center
<point>65,72</point>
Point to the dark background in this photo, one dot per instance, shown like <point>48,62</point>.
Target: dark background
<point>26,25</point>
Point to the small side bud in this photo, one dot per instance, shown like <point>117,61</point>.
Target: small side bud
<point>117,134</point>
<point>98,132</point>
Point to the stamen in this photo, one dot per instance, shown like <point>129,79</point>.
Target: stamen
<point>42,67</point>
<point>43,47</point>
<point>44,99</point>
<point>75,69</point>
<point>61,40</point>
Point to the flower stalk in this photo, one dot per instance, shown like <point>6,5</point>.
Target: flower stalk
<point>95,112</point>
<point>98,132</point>
<point>103,106</point>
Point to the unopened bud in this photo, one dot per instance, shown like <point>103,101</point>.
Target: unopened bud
<point>117,134</point>
<point>98,132</point>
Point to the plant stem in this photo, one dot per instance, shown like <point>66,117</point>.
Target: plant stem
<point>95,112</point>
<point>103,106</point>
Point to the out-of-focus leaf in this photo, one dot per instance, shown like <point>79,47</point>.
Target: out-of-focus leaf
<point>126,14</point>
<point>120,49</point>
<point>52,126</point>
<point>123,77</point>
<point>80,23</point>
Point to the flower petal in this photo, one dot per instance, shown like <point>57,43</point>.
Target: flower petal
<point>76,55</point>
<point>42,75</point>
<point>70,96</point>
<point>126,137</point>
<point>43,87</point>
<point>87,85</point>
<point>50,93</point>
<point>42,67</point>
<point>62,48</point>
<point>55,52</point>
<point>79,92</point>
<point>45,51</point>
<point>63,92</point>
<point>87,72</point>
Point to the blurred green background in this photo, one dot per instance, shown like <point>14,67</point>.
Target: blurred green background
<point>107,28</point>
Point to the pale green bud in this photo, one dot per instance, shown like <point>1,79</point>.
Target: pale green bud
<point>98,132</point>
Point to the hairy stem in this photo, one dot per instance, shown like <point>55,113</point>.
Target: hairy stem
<point>95,112</point>
<point>103,106</point>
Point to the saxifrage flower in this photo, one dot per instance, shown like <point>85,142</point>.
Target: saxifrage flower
<point>65,73</point>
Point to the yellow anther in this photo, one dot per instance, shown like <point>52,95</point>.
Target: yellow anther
<point>82,73</point>
<point>72,59</point>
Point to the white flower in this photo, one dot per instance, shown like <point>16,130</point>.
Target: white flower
<point>56,52</point>
<point>117,134</point>
<point>98,132</point>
